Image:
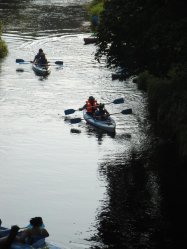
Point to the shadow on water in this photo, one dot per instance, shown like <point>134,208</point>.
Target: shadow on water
<point>92,132</point>
<point>98,133</point>
<point>144,204</point>
<point>89,130</point>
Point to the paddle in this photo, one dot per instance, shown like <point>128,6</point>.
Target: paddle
<point>116,101</point>
<point>59,62</point>
<point>21,61</point>
<point>20,70</point>
<point>125,112</point>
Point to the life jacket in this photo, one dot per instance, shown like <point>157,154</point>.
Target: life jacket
<point>91,107</point>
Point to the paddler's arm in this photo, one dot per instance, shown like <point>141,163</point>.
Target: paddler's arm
<point>82,108</point>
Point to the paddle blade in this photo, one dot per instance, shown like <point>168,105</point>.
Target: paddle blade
<point>75,120</point>
<point>118,101</point>
<point>19,60</point>
<point>59,62</point>
<point>69,111</point>
<point>19,70</point>
<point>77,131</point>
<point>127,111</point>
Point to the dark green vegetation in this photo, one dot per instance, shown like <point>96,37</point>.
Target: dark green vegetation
<point>95,8</point>
<point>149,39</point>
<point>3,47</point>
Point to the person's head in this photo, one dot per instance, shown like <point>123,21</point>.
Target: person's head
<point>40,50</point>
<point>91,99</point>
<point>101,106</point>
<point>36,222</point>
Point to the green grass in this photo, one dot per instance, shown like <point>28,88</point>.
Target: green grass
<point>96,9</point>
<point>3,49</point>
<point>3,46</point>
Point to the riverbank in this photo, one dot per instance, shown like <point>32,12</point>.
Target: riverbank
<point>167,98</point>
<point>3,46</point>
<point>94,10</point>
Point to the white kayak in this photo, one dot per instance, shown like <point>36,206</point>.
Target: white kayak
<point>107,125</point>
<point>41,70</point>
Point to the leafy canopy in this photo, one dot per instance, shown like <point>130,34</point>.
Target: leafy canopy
<point>143,35</point>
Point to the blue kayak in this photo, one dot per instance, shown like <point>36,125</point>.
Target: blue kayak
<point>41,70</point>
<point>106,124</point>
<point>38,244</point>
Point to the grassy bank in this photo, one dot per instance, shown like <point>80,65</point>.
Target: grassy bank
<point>95,9</point>
<point>3,46</point>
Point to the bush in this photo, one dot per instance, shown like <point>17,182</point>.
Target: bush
<point>167,98</point>
<point>3,46</point>
<point>142,80</point>
<point>95,9</point>
<point>3,49</point>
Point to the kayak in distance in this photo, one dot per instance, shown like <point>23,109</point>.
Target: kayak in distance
<point>41,70</point>
<point>90,40</point>
<point>107,124</point>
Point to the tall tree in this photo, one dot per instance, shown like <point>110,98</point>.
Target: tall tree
<point>143,34</point>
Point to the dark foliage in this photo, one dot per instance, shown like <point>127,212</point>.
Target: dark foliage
<point>3,46</point>
<point>143,34</point>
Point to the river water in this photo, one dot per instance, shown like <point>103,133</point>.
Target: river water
<point>85,183</point>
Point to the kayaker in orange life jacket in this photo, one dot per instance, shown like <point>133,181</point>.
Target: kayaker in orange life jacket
<point>91,106</point>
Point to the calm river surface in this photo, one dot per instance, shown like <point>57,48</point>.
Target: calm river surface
<point>68,174</point>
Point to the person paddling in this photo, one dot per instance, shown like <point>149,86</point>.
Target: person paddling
<point>40,58</point>
<point>6,241</point>
<point>34,232</point>
<point>90,106</point>
<point>101,113</point>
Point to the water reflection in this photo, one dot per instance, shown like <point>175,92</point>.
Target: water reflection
<point>127,217</point>
<point>98,133</point>
<point>89,130</point>
<point>133,214</point>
